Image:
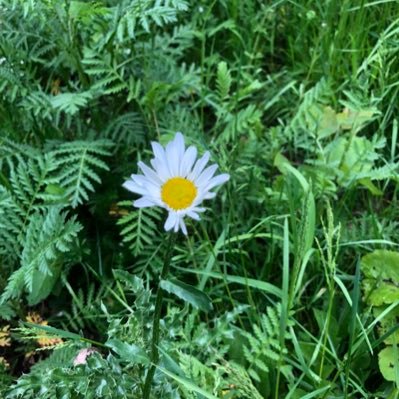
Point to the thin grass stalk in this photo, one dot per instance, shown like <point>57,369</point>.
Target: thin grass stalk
<point>157,317</point>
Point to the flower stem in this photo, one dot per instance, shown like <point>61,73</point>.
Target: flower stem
<point>157,316</point>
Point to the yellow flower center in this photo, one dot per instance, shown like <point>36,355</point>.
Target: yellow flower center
<point>178,193</point>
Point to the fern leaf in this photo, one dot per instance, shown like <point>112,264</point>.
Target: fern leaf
<point>70,103</point>
<point>29,179</point>
<point>139,227</point>
<point>10,150</point>
<point>126,129</point>
<point>48,236</point>
<point>245,120</point>
<point>77,163</point>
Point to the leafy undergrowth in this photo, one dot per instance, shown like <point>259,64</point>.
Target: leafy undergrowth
<point>288,287</point>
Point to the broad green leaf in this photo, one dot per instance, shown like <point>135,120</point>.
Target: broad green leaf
<point>385,293</point>
<point>381,264</point>
<point>350,119</point>
<point>321,120</point>
<point>381,271</point>
<point>387,359</point>
<point>188,293</point>
<point>43,284</point>
<point>284,166</point>
<point>387,323</point>
<point>351,158</point>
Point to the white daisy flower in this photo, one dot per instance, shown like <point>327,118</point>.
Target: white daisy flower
<point>176,182</point>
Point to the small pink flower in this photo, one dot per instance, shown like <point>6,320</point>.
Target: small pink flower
<point>83,355</point>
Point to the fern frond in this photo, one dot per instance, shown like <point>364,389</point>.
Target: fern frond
<point>126,129</point>
<point>109,74</point>
<point>139,227</point>
<point>245,120</point>
<point>39,103</point>
<point>29,180</point>
<point>146,13</point>
<point>77,163</point>
<point>49,235</point>
<point>70,103</point>
<point>11,224</point>
<point>264,347</point>
<point>177,42</point>
<point>10,150</point>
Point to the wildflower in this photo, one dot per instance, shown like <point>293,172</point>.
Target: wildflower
<point>82,356</point>
<point>5,336</point>
<point>177,182</point>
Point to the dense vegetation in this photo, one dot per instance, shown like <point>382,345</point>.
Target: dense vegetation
<point>291,278</point>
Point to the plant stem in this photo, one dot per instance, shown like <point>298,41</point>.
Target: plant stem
<point>157,316</point>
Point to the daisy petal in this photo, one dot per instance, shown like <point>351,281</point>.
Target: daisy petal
<point>183,226</point>
<point>143,203</point>
<point>188,160</point>
<point>209,195</point>
<point>179,145</point>
<point>172,158</point>
<point>177,223</point>
<point>149,173</point>
<point>174,153</point>
<point>158,150</point>
<point>160,156</point>
<point>206,175</point>
<point>140,180</point>
<point>161,168</point>
<point>133,187</point>
<point>199,166</point>
<point>193,215</point>
<point>150,187</point>
<point>217,181</point>
<point>170,221</point>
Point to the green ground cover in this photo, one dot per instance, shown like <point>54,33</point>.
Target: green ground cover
<point>288,287</point>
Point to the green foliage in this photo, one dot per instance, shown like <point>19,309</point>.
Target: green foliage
<point>139,227</point>
<point>187,293</point>
<point>126,129</point>
<point>48,237</point>
<point>388,363</point>
<point>264,348</point>
<point>380,289</point>
<point>223,82</point>
<point>70,103</point>
<point>381,277</point>
<point>77,162</point>
<point>297,101</point>
<point>99,378</point>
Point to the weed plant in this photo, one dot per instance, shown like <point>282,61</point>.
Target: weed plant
<point>293,269</point>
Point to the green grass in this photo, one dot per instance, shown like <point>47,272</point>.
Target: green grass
<point>298,101</point>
